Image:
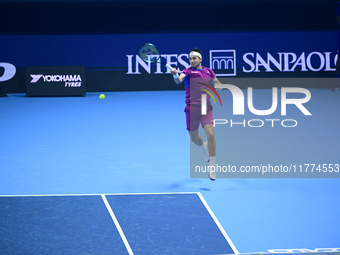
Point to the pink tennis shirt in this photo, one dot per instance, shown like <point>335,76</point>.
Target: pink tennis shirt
<point>194,80</point>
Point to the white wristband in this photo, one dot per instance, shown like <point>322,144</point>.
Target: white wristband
<point>175,76</point>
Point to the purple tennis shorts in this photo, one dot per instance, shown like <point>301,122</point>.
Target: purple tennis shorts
<point>194,117</point>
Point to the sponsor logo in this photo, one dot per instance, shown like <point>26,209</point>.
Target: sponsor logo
<point>35,77</point>
<point>304,250</point>
<point>288,62</point>
<point>9,71</point>
<point>223,62</point>
<point>135,63</point>
<point>70,80</point>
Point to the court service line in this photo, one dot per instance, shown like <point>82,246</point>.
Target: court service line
<point>218,223</point>
<point>113,216</point>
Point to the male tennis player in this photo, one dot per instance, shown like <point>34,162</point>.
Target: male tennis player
<point>194,78</point>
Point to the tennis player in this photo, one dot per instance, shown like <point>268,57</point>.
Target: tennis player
<point>193,78</point>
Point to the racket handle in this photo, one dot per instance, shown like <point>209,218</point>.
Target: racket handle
<point>168,66</point>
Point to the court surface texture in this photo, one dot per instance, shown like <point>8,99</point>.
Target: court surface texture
<point>80,175</point>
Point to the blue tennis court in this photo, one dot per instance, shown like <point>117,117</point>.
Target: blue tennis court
<point>111,224</point>
<point>132,150</point>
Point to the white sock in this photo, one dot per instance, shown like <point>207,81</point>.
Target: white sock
<point>212,160</point>
<point>202,146</point>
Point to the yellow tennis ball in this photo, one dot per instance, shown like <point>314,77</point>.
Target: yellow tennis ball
<point>102,96</point>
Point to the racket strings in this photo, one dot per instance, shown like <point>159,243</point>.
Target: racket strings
<point>149,53</point>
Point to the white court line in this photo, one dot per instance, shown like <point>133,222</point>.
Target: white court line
<point>126,243</point>
<point>112,194</point>
<point>218,223</point>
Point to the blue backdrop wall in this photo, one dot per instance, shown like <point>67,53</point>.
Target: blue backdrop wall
<point>246,38</point>
<point>112,63</point>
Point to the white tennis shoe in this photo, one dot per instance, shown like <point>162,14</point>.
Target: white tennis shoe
<point>212,172</point>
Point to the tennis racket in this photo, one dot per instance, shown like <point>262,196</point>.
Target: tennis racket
<point>149,53</point>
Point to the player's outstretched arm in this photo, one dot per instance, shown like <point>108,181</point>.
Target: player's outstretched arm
<point>215,81</point>
<point>177,78</point>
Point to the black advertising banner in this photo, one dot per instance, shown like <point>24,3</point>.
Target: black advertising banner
<point>55,81</point>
